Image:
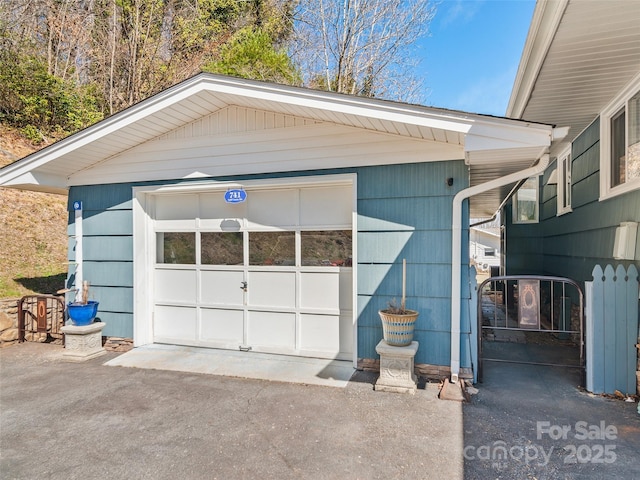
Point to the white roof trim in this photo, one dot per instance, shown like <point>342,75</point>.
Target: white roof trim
<point>544,25</point>
<point>479,132</point>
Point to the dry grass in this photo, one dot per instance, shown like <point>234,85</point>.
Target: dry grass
<point>33,238</point>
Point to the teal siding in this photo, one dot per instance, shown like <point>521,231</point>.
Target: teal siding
<point>378,278</point>
<point>404,211</point>
<point>109,274</point>
<point>572,244</point>
<point>523,246</point>
<point>548,195</point>
<point>108,252</point>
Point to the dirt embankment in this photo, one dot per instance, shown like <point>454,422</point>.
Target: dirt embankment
<point>33,238</point>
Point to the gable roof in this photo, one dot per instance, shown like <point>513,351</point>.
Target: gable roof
<point>578,55</point>
<point>492,146</point>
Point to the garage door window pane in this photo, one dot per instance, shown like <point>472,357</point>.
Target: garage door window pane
<point>272,248</point>
<point>221,248</point>
<point>176,247</point>
<point>331,248</point>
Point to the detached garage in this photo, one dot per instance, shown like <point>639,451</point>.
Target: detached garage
<point>235,214</point>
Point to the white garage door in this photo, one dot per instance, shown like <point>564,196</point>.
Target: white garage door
<point>271,274</point>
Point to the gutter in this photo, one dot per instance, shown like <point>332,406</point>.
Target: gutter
<point>456,248</point>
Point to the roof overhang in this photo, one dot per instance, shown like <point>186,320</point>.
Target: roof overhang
<point>491,146</point>
<point>578,55</point>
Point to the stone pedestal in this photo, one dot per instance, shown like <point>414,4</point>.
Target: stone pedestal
<point>83,343</point>
<point>397,368</point>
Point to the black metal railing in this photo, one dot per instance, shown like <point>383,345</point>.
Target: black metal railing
<point>531,303</point>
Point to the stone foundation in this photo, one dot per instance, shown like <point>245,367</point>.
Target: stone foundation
<point>425,370</point>
<point>8,322</point>
<point>118,344</point>
<point>9,326</point>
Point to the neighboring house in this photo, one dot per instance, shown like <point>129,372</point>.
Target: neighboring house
<point>484,247</point>
<point>580,69</point>
<point>339,190</point>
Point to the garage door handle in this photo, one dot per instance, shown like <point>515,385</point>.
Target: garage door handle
<point>244,286</point>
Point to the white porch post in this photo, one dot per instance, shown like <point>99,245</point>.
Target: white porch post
<point>77,207</point>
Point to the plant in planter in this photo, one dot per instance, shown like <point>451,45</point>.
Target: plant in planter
<point>84,312</point>
<point>398,322</point>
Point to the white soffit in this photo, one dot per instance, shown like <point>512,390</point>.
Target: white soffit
<point>577,57</point>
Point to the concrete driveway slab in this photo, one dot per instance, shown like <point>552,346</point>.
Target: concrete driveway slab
<point>279,368</point>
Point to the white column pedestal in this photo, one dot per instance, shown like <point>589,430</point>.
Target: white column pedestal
<point>397,368</point>
<point>82,343</point>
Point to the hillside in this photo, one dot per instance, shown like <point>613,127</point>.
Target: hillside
<point>33,238</point>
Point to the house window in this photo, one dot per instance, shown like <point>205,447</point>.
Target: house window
<point>489,252</point>
<point>272,248</point>
<point>564,182</point>
<point>326,248</point>
<point>525,202</point>
<point>176,248</point>
<point>620,143</point>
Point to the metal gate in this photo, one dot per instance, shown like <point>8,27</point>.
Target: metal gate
<point>40,318</point>
<point>529,303</point>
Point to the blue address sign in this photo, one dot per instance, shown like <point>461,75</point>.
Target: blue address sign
<point>235,195</point>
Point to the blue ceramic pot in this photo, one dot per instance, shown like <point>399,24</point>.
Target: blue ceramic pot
<point>82,314</point>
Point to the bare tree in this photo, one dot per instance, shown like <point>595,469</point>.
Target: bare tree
<point>122,51</point>
<point>361,47</point>
<point>58,30</point>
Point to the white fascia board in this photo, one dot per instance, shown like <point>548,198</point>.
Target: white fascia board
<point>372,108</point>
<point>101,129</point>
<point>461,122</point>
<point>38,181</point>
<point>544,25</point>
<point>484,136</point>
<point>329,101</point>
<point>481,231</point>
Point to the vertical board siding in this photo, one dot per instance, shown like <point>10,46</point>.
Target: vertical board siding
<point>404,211</point>
<point>612,329</point>
<point>571,245</point>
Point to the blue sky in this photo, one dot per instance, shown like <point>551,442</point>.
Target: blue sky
<point>470,60</point>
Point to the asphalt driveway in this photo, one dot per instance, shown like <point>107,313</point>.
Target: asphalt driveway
<point>534,422</point>
<point>61,420</point>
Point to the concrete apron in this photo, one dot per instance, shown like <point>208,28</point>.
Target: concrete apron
<point>278,368</point>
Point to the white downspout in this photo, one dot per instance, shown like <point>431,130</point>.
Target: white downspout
<point>456,249</point>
